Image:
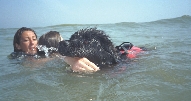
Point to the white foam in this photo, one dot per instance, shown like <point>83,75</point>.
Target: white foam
<point>46,49</point>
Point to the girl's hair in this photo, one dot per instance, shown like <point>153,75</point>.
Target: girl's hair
<point>50,39</point>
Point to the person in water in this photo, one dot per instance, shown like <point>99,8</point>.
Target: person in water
<point>51,40</point>
<point>25,42</point>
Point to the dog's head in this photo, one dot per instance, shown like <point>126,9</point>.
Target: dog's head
<point>90,43</point>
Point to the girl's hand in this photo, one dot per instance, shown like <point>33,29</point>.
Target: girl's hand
<point>81,64</point>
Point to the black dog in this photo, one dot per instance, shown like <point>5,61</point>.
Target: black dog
<point>90,43</point>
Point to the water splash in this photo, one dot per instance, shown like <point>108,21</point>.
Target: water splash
<point>46,50</point>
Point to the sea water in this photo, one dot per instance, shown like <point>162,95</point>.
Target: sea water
<point>162,73</point>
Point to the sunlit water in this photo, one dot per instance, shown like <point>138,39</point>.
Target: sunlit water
<point>163,73</point>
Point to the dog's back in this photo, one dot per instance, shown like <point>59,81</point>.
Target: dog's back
<point>90,43</point>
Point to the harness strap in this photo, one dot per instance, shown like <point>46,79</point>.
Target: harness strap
<point>125,46</point>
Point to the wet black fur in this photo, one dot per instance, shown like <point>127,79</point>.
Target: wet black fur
<point>90,43</point>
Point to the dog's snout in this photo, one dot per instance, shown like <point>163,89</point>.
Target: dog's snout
<point>62,47</point>
<point>64,43</point>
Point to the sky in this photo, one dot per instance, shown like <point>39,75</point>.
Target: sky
<point>42,13</point>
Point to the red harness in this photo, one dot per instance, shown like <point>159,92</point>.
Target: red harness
<point>132,53</point>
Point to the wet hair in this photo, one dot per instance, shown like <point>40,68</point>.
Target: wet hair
<point>18,35</point>
<point>50,39</point>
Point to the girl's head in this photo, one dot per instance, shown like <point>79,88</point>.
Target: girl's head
<point>50,39</point>
<point>25,40</point>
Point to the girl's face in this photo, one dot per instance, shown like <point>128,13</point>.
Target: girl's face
<point>28,43</point>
